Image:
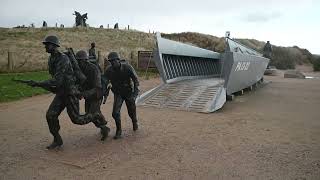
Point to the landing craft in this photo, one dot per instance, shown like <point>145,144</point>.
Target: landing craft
<point>196,79</point>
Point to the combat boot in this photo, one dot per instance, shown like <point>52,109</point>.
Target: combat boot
<point>104,132</point>
<point>135,125</point>
<point>118,131</point>
<point>57,142</point>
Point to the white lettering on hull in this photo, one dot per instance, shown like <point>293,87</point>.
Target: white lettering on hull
<point>242,66</point>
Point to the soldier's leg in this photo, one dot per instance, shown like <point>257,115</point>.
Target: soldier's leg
<point>132,111</point>
<point>117,103</point>
<point>72,105</point>
<point>93,106</point>
<point>55,109</point>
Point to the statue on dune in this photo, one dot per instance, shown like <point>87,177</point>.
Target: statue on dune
<point>80,19</point>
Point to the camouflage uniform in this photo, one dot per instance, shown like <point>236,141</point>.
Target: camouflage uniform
<point>92,91</point>
<point>125,84</point>
<point>61,71</point>
<point>63,84</point>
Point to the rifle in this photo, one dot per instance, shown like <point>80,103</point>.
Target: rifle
<point>28,82</point>
<point>106,94</point>
<point>33,83</point>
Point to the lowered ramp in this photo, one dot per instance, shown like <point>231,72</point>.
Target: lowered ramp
<point>199,95</point>
<point>196,79</point>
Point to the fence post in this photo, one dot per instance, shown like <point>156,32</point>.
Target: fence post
<point>101,61</point>
<point>10,61</point>
<point>133,59</point>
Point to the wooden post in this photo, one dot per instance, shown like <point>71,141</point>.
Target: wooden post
<point>135,61</point>
<point>10,61</point>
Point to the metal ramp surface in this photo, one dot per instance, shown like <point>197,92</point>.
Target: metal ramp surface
<point>199,95</point>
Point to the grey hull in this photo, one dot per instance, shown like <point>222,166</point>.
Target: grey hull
<point>196,79</point>
<point>242,71</point>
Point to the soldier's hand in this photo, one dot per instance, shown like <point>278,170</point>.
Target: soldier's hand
<point>136,93</point>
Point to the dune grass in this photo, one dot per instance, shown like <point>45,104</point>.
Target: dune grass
<point>10,90</point>
<point>29,54</point>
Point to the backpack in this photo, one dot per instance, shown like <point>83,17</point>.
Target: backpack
<point>80,77</point>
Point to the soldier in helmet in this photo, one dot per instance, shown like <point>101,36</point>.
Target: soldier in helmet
<point>92,51</point>
<point>124,81</point>
<point>63,85</point>
<point>92,91</point>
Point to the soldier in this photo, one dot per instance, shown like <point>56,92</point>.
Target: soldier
<point>267,52</point>
<point>121,76</point>
<point>92,91</point>
<point>93,57</point>
<point>63,85</point>
<point>92,51</point>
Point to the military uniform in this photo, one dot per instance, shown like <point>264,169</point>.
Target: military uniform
<point>125,84</point>
<point>64,83</point>
<point>91,90</point>
<point>267,50</point>
<point>93,57</point>
<point>92,51</point>
<point>62,77</point>
<point>267,53</point>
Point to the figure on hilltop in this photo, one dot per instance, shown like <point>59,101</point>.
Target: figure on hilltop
<point>80,19</point>
<point>44,24</point>
<point>267,52</point>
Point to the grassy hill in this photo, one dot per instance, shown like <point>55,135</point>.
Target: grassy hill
<point>29,54</point>
<point>283,57</point>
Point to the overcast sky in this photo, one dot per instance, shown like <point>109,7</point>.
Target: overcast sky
<point>282,22</point>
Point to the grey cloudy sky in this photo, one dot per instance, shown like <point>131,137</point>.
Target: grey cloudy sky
<point>283,22</point>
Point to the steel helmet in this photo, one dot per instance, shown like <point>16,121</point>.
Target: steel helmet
<point>113,56</point>
<point>52,39</point>
<point>82,55</point>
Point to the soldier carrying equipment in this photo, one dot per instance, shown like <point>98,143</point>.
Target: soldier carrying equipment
<point>91,90</point>
<point>64,78</point>
<point>81,78</point>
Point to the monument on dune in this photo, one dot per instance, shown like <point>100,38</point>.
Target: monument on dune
<point>80,20</point>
